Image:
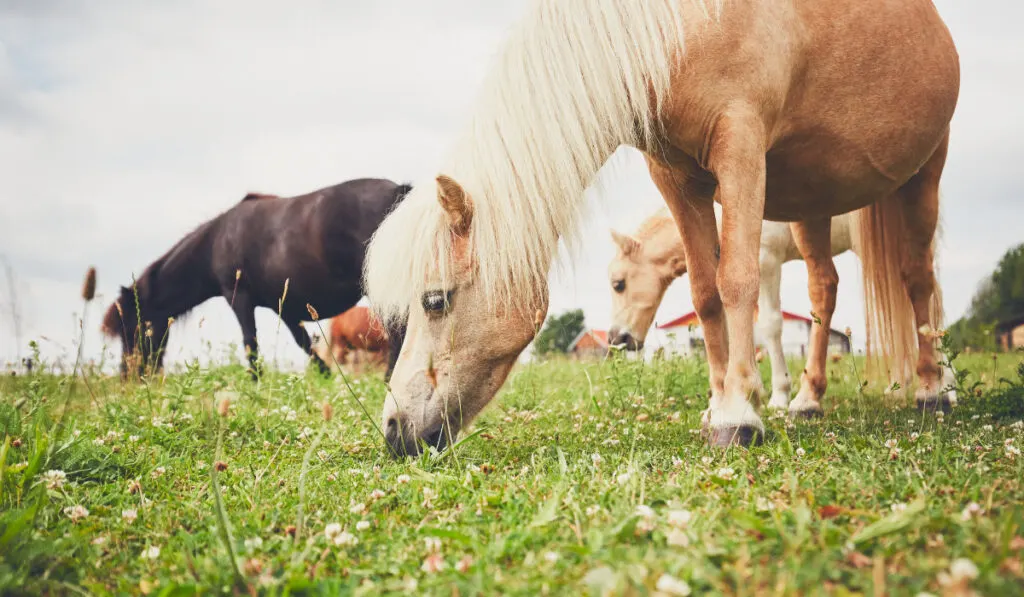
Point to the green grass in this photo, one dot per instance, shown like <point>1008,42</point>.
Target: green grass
<point>523,506</point>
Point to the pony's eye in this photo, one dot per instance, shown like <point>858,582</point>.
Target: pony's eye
<point>437,301</point>
<point>619,285</point>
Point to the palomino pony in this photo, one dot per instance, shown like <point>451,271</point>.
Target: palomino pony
<point>357,330</point>
<point>787,110</point>
<point>647,262</point>
<point>266,251</point>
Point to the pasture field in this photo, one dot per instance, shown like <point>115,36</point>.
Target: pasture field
<point>580,478</point>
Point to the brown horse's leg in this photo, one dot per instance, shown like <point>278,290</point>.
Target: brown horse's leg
<point>920,201</point>
<point>736,158</point>
<point>814,240</point>
<point>695,218</point>
<point>304,342</point>
<point>245,311</point>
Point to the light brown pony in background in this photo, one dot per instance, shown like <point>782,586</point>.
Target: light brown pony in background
<point>648,261</point>
<point>356,332</point>
<point>786,110</point>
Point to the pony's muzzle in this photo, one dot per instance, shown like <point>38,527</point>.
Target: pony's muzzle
<point>620,337</point>
<point>402,439</point>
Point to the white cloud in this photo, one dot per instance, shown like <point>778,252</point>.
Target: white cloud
<point>123,126</point>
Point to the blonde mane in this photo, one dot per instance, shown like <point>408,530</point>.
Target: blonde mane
<point>573,82</point>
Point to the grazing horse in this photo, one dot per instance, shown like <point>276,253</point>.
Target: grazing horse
<point>648,261</point>
<point>266,251</point>
<point>786,110</point>
<point>358,330</point>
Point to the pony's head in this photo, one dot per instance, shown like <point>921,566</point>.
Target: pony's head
<point>639,275</point>
<point>461,341</point>
<point>142,346</point>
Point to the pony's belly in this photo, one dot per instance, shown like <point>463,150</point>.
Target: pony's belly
<point>826,179</point>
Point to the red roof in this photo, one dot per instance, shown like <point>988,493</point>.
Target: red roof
<point>599,336</point>
<point>691,319</point>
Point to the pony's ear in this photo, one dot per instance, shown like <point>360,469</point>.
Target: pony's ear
<point>627,244</point>
<point>456,203</point>
<point>677,265</point>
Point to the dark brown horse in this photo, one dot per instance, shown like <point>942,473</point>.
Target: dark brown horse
<point>266,251</point>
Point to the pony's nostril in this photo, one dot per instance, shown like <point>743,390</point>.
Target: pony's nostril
<point>391,426</point>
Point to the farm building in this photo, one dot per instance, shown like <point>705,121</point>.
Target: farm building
<point>684,335</point>
<point>589,344</point>
<point>1010,333</point>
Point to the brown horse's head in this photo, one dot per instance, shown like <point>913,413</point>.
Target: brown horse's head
<point>142,346</point>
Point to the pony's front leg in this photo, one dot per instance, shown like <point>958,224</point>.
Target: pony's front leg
<point>737,162</point>
<point>769,321</point>
<point>814,241</point>
<point>695,217</point>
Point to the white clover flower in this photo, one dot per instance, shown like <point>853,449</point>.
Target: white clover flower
<point>332,530</point>
<point>679,518</point>
<point>963,569</point>
<point>551,557</point>
<point>254,543</point>
<point>345,539</point>
<point>362,525</point>
<point>129,516</point>
<point>54,479</point>
<point>403,479</point>
<point>972,510</point>
<point>677,538</point>
<point>151,553</point>
<point>433,563</point>
<point>726,473</point>
<point>357,509</point>
<point>76,512</point>
<point>671,585</point>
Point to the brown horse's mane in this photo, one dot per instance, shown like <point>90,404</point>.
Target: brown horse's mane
<point>251,196</point>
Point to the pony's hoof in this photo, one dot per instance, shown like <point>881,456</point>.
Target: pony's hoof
<point>779,401</point>
<point>935,403</point>
<point>807,412</point>
<point>735,435</point>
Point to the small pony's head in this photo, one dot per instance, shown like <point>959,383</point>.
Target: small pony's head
<point>639,279</point>
<point>459,346</point>
<point>142,347</point>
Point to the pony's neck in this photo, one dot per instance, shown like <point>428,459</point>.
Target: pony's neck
<point>178,281</point>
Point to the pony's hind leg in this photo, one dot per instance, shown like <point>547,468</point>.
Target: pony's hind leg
<point>814,241</point>
<point>769,321</point>
<point>919,199</point>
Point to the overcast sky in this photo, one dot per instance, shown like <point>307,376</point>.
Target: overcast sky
<point>123,125</point>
